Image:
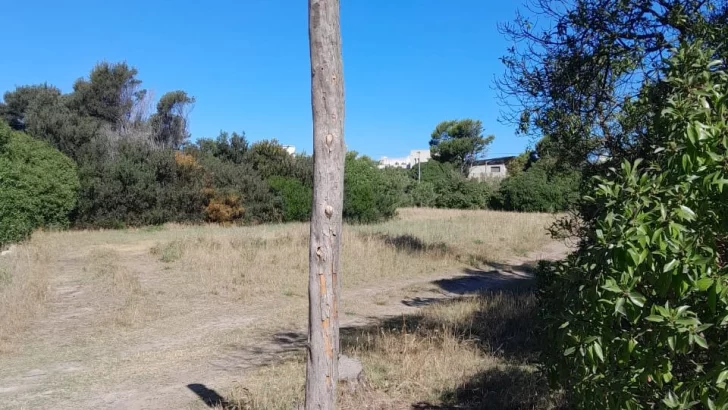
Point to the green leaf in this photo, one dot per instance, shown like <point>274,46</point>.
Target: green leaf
<point>612,288</point>
<point>722,377</point>
<point>700,340</point>
<point>670,266</point>
<point>655,318</point>
<point>671,401</point>
<point>563,325</point>
<point>703,327</point>
<point>619,307</point>
<point>569,351</point>
<point>691,321</point>
<point>671,342</point>
<point>704,283</point>
<point>598,351</point>
<point>692,133</point>
<point>685,213</point>
<point>637,298</point>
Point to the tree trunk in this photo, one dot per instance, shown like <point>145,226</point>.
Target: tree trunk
<point>327,102</point>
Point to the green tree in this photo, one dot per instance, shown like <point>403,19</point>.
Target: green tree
<point>575,69</point>
<point>38,184</point>
<point>226,147</point>
<point>459,142</point>
<point>15,106</point>
<point>49,118</point>
<point>170,122</point>
<point>636,317</point>
<point>43,112</point>
<point>110,94</point>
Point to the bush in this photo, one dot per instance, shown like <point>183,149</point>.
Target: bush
<point>367,197</point>
<point>132,183</point>
<point>38,185</point>
<point>637,316</point>
<point>397,182</point>
<point>539,188</point>
<point>255,193</point>
<point>295,197</point>
<point>269,158</point>
<point>423,194</point>
<point>461,193</point>
<point>442,186</point>
<point>224,208</point>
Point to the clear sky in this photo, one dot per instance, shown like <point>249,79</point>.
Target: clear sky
<point>408,64</point>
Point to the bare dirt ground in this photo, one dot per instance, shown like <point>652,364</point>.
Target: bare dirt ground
<point>115,334</point>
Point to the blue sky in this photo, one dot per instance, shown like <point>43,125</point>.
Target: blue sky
<point>408,64</point>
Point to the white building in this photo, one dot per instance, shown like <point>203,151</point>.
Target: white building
<point>415,156</point>
<point>490,168</point>
<point>289,149</point>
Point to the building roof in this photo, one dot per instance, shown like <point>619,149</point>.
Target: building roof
<point>494,161</point>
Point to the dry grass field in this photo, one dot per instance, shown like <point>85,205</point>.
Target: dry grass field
<point>177,316</point>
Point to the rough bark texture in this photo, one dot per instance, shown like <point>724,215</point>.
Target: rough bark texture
<point>327,102</point>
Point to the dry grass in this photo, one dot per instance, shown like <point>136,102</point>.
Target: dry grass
<point>24,286</point>
<point>121,300</point>
<point>151,305</point>
<point>259,262</point>
<point>469,353</point>
<point>472,236</point>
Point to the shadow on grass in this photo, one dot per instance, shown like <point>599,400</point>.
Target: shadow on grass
<point>502,324</point>
<point>511,388</point>
<point>410,243</point>
<point>475,281</point>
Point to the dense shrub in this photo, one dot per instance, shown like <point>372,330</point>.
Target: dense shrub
<point>269,158</point>
<point>423,194</point>
<point>540,188</point>
<point>38,185</point>
<point>399,184</point>
<point>637,317</point>
<point>296,198</point>
<point>133,183</point>
<point>226,147</point>
<point>257,198</point>
<point>365,199</point>
<point>461,193</point>
<point>434,172</point>
<point>443,186</point>
<point>224,208</point>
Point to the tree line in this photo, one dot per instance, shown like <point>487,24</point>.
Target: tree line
<point>130,162</point>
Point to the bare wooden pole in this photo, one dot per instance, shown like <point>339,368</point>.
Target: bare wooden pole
<point>327,102</point>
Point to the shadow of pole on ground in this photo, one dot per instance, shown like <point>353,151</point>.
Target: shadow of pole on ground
<point>210,397</point>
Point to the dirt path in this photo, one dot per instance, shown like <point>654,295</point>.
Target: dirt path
<point>138,347</point>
